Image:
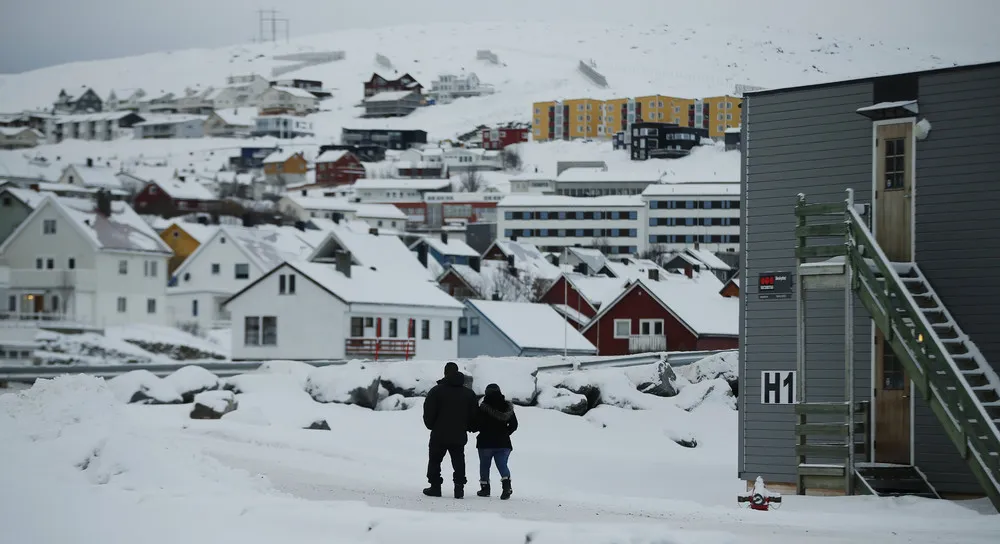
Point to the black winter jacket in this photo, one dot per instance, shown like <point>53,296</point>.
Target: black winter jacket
<point>450,411</point>
<point>495,422</point>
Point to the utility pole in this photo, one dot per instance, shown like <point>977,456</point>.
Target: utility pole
<point>269,16</point>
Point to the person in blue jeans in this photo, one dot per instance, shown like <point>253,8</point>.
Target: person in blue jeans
<point>495,422</point>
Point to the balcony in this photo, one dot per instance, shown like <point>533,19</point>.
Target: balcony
<point>380,347</point>
<point>31,278</point>
<point>638,343</point>
<point>46,320</point>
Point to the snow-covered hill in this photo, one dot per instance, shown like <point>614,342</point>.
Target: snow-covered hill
<point>538,62</point>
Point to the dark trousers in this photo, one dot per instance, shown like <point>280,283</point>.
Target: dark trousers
<point>494,455</point>
<point>436,456</point>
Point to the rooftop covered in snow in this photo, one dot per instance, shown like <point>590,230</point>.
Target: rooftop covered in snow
<point>532,326</point>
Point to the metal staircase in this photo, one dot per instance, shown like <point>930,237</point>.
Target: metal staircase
<point>946,367</point>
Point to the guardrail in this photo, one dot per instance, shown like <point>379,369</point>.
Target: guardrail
<point>28,374</point>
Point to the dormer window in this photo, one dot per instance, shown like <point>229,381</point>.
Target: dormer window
<point>49,226</point>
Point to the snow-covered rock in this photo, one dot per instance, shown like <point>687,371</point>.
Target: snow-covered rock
<point>213,404</point>
<point>413,378</point>
<point>715,391</point>
<point>318,425</point>
<point>721,365</point>
<point>297,369</point>
<point>143,387</point>
<point>656,379</point>
<point>352,383</point>
<point>564,400</point>
<point>601,386</point>
<point>398,402</point>
<point>191,380</point>
<point>517,377</point>
<point>263,383</point>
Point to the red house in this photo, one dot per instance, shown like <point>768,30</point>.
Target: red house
<point>378,84</point>
<point>585,295</point>
<point>338,167</point>
<point>501,137</point>
<point>672,313</point>
<point>174,197</point>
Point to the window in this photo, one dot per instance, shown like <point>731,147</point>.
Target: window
<point>194,308</point>
<point>8,202</point>
<point>463,326</point>
<point>893,376</point>
<point>50,263</point>
<point>447,330</point>
<point>474,326</point>
<point>150,305</point>
<point>251,331</point>
<point>651,327</point>
<point>49,226</point>
<point>895,163</point>
<point>269,335</point>
<point>121,305</point>
<point>11,303</point>
<point>392,327</point>
<point>149,269</point>
<point>216,268</point>
<point>623,328</point>
<point>71,263</point>
<point>122,268</point>
<point>357,327</point>
<point>286,284</point>
<point>242,271</point>
<point>425,329</point>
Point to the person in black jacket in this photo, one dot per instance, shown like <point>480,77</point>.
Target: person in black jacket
<point>495,422</point>
<point>449,414</point>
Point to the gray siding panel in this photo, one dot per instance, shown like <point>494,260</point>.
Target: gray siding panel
<point>812,141</point>
<point>956,242</point>
<point>809,141</point>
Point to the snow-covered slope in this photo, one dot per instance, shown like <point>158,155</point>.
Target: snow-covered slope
<point>538,62</point>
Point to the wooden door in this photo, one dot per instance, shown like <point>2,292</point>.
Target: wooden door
<point>894,234</point>
<point>892,406</point>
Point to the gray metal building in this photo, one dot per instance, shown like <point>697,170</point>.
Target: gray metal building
<point>921,154</point>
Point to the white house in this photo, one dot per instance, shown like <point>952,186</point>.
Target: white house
<point>532,183</point>
<point>124,99</point>
<point>614,224</point>
<point>231,259</point>
<point>287,100</point>
<point>19,137</point>
<point>171,126</point>
<point>90,177</point>
<point>165,102</point>
<point>306,207</point>
<point>398,190</point>
<point>448,87</point>
<point>105,126</point>
<point>314,311</point>
<point>685,214</point>
<point>92,262</point>
<point>196,101</point>
<point>282,126</point>
<point>230,123</point>
<point>461,158</point>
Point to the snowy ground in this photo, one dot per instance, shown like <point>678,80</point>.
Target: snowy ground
<point>120,473</point>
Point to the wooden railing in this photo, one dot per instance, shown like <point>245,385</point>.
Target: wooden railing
<point>381,347</point>
<point>639,343</point>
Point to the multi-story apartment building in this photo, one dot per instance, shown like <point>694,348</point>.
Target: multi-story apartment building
<point>599,182</point>
<point>613,224</point>
<point>584,118</point>
<point>683,214</point>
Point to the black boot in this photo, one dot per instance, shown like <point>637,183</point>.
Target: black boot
<point>484,489</point>
<point>459,491</point>
<point>433,491</point>
<point>506,489</point>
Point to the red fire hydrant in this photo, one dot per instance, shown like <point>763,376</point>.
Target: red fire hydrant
<point>761,498</point>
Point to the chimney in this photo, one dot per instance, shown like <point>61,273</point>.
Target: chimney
<point>103,203</point>
<point>247,219</point>
<point>580,268</point>
<point>373,231</point>
<point>422,253</point>
<point>90,162</point>
<point>337,217</point>
<point>344,262</point>
<point>513,237</point>
<point>496,295</point>
<point>34,187</point>
<point>474,263</point>
<point>301,225</point>
<point>305,192</point>
<point>654,274</point>
<point>688,271</point>
<point>444,237</point>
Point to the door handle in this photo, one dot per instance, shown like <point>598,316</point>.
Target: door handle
<point>906,195</point>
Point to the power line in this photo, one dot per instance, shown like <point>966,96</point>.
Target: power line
<point>265,16</point>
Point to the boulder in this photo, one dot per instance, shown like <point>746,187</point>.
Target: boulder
<point>713,391</point>
<point>564,400</point>
<point>296,369</point>
<point>397,402</point>
<point>352,383</point>
<point>319,425</point>
<point>415,378</point>
<point>213,404</point>
<point>516,376</point>
<point>191,380</point>
<point>143,387</point>
<point>723,365</point>
<point>657,379</point>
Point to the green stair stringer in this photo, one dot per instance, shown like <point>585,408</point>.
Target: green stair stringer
<point>934,371</point>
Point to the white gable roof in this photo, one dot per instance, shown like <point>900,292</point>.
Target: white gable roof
<point>98,177</point>
<point>454,247</point>
<point>384,252</point>
<point>30,198</point>
<point>185,190</point>
<point>531,325</point>
<point>366,286</point>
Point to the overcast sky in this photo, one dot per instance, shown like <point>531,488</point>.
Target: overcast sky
<point>39,33</point>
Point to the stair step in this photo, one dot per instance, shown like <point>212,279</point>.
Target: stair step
<point>806,469</point>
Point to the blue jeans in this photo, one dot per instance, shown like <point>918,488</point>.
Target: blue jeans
<point>497,455</point>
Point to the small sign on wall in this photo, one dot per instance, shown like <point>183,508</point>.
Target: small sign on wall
<point>774,285</point>
<point>777,387</point>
